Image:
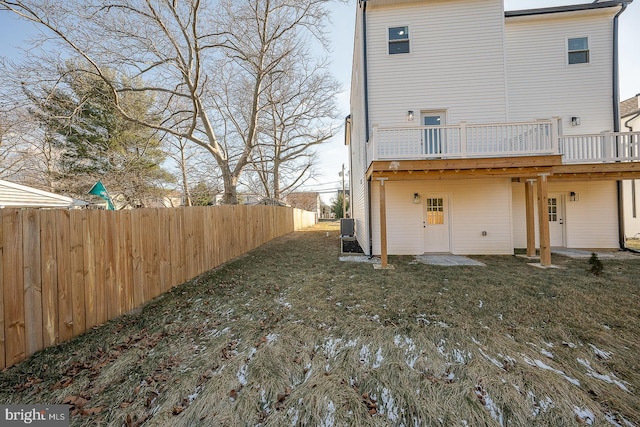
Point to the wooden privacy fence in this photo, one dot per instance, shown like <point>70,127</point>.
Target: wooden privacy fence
<point>65,271</point>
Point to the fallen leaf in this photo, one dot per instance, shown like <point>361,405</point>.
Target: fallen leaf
<point>91,411</point>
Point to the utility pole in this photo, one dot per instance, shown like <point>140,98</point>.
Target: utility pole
<point>344,197</point>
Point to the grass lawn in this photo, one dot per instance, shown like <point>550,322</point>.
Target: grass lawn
<point>288,335</point>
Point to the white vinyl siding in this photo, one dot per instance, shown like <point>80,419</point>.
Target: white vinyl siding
<point>458,67</point>
<point>358,148</point>
<point>474,206</point>
<point>541,82</point>
<point>590,222</point>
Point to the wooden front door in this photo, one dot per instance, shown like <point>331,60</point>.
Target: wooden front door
<point>436,224</point>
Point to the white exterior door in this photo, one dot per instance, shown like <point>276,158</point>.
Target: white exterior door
<point>556,219</point>
<point>436,224</point>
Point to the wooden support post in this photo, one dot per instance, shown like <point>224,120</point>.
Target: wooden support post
<point>383,223</point>
<point>543,218</point>
<point>530,215</point>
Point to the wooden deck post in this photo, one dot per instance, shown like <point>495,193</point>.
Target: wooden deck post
<point>383,223</point>
<point>543,218</point>
<point>530,215</point>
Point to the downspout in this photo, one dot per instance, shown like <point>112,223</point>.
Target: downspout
<point>364,67</point>
<point>616,120</point>
<point>365,71</point>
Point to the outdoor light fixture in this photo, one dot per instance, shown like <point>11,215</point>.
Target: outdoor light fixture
<point>573,197</point>
<point>575,121</point>
<point>416,198</point>
<point>410,115</point>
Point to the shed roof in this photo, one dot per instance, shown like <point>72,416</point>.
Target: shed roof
<point>14,195</point>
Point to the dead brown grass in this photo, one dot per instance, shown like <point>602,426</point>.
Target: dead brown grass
<point>288,335</point>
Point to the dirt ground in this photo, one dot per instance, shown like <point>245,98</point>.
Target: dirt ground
<point>289,335</point>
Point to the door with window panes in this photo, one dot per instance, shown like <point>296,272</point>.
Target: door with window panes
<point>556,219</point>
<point>436,224</point>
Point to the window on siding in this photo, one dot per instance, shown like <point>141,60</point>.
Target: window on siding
<point>578,50</point>
<point>398,40</point>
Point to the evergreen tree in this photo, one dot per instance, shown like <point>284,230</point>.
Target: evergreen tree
<point>94,140</point>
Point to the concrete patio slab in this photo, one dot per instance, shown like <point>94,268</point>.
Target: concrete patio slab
<point>447,260</point>
<point>579,253</point>
<point>359,258</point>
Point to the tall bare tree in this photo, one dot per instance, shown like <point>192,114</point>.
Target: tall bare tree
<point>209,62</point>
<point>300,114</point>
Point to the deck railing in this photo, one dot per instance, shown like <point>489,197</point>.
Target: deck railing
<point>606,147</point>
<point>500,140</point>
<point>463,140</point>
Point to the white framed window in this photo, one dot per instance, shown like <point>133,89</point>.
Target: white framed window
<point>578,50</point>
<point>398,40</point>
<point>435,211</point>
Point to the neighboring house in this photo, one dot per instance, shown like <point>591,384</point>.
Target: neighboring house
<point>466,118</point>
<point>20,196</point>
<point>630,115</point>
<point>308,201</point>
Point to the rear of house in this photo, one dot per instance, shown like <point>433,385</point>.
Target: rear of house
<point>466,119</point>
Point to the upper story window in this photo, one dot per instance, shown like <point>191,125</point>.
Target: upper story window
<point>398,40</point>
<point>578,50</point>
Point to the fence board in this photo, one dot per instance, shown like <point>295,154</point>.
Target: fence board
<point>98,229</point>
<point>126,262</point>
<point>14,321</point>
<point>65,299</point>
<point>77,220</point>
<point>32,281</point>
<point>89,265</point>
<point>49,276</point>
<point>164,250</point>
<point>110,285</point>
<point>137,260</point>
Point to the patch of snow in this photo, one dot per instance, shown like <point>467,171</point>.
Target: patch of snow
<point>451,377</point>
<point>283,302</point>
<point>607,327</point>
<point>569,344</point>
<point>271,338</point>
<point>443,325</point>
<point>252,353</point>
<point>543,365</point>
<point>499,316</point>
<point>548,344</point>
<point>542,405</point>
<point>441,348</point>
<point>330,347</point>
<point>614,420</point>
<point>601,353</point>
<point>546,353</point>
<point>294,415</point>
<point>242,375</point>
<point>329,419</point>
<point>491,359</point>
<point>489,404</point>
<point>460,357</point>
<point>379,359</point>
<point>480,304</point>
<point>611,379</point>
<point>387,406</point>
<point>364,354</point>
<point>266,408</point>
<point>214,333</point>
<point>585,415</point>
<point>409,349</point>
<point>475,341</point>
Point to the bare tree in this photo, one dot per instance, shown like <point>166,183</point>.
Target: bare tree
<point>300,114</point>
<point>209,62</point>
